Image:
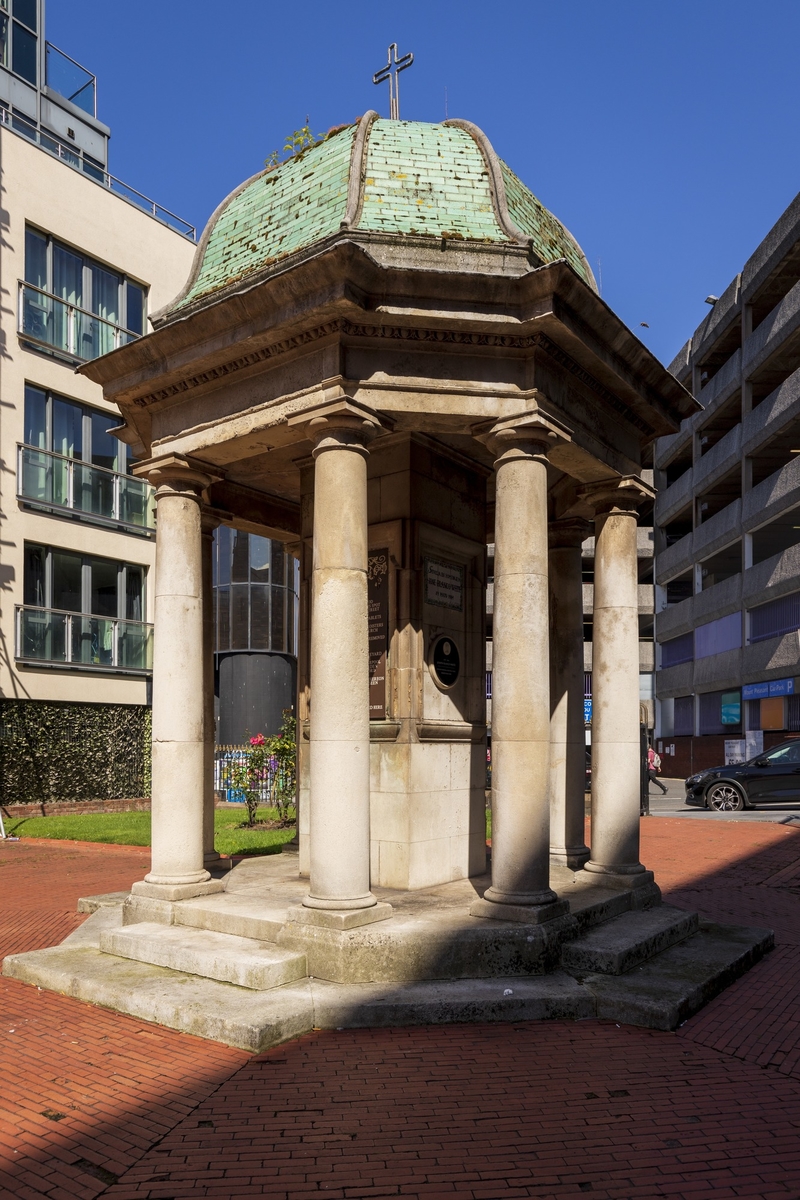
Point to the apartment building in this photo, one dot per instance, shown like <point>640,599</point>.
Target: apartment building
<point>728,522</point>
<point>83,260</point>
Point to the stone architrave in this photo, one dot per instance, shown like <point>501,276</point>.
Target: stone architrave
<point>340,681</point>
<point>567,737</point>
<point>179,718</point>
<point>616,747</point>
<point>520,888</point>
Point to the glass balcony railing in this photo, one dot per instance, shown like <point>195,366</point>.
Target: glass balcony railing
<point>72,81</point>
<point>75,157</point>
<point>66,484</point>
<point>49,321</point>
<point>48,635</point>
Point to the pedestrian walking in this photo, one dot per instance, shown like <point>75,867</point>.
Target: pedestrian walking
<point>653,769</point>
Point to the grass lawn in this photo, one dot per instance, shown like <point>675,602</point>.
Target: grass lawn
<point>133,829</point>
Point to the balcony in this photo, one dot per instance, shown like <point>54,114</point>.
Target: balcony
<point>72,81</point>
<point>67,485</point>
<point>82,642</point>
<point>71,331</point>
<point>74,157</point>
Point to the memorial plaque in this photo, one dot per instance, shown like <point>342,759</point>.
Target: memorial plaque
<point>446,662</point>
<point>444,584</point>
<point>378,604</point>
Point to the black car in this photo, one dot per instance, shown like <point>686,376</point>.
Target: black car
<point>770,778</point>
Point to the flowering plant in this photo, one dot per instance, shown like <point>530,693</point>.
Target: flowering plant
<point>268,767</point>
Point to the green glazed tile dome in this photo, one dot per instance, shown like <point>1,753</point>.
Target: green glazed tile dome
<point>402,178</point>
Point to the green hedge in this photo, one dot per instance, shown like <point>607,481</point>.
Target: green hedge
<point>59,751</point>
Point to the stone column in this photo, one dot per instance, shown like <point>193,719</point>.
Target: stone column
<point>520,888</point>
<point>210,855</point>
<point>339,894</point>
<point>567,736</point>
<point>616,749</point>
<point>179,754</point>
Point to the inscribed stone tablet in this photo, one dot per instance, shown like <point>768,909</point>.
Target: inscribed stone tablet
<point>444,584</point>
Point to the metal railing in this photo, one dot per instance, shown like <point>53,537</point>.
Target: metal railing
<point>226,758</point>
<point>74,157</point>
<point>50,321</point>
<point>50,635</point>
<point>59,483</point>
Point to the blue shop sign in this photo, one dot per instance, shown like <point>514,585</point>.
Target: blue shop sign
<point>587,712</point>
<point>760,691</point>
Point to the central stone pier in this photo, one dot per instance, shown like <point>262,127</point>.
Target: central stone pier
<point>389,355</point>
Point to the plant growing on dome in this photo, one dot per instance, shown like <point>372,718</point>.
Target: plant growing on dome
<point>296,144</point>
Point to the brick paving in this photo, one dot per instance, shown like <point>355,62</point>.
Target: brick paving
<point>94,1103</point>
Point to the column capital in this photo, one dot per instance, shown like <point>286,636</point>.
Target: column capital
<point>621,494</point>
<point>177,473</point>
<point>568,532</point>
<point>341,424</point>
<point>212,518</point>
<point>526,435</point>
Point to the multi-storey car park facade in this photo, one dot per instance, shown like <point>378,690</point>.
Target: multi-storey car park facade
<point>728,522</point>
<point>83,260</point>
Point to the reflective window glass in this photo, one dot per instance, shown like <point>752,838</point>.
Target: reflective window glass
<point>786,754</point>
<point>3,40</point>
<point>104,446</point>
<point>278,619</point>
<point>105,294</point>
<point>134,593</point>
<point>66,581</point>
<point>35,418</point>
<point>222,537</point>
<point>67,275</point>
<point>36,259</point>
<point>23,53</point>
<point>278,563</point>
<point>104,588</point>
<point>240,558</point>
<point>223,618</point>
<point>134,308</point>
<point>25,11</point>
<point>239,614</point>
<point>259,559</point>
<point>67,428</point>
<point>34,585</point>
<point>259,617</point>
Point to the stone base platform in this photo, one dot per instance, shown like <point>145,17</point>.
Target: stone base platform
<point>236,968</point>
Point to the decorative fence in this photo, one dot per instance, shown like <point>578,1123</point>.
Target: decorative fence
<point>273,779</point>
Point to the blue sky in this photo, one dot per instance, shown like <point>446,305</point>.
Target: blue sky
<point>664,134</point>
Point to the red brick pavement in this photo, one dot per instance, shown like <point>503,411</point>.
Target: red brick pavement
<point>555,1110</point>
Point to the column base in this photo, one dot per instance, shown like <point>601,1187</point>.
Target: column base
<point>176,891</point>
<point>211,858</point>
<point>355,902</point>
<point>522,914</point>
<point>328,918</point>
<point>573,857</point>
<point>628,880</point>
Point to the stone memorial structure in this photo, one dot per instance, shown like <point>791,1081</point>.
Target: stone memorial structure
<point>387,354</point>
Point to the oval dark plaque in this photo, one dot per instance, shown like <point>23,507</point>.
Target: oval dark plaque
<point>445,661</point>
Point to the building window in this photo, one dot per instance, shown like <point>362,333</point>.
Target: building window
<point>255,593</point>
<point>68,460</point>
<point>776,618</point>
<point>80,610</point>
<point>75,304</point>
<point>683,716</point>
<point>18,40</point>
<point>677,650</point>
<point>720,712</point>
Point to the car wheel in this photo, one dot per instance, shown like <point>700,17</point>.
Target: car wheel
<point>725,797</point>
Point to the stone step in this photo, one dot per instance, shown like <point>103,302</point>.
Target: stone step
<point>228,959</point>
<point>624,942</point>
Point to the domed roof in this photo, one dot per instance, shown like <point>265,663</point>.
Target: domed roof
<point>401,178</point>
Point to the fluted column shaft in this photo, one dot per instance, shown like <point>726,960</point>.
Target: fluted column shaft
<point>567,736</point>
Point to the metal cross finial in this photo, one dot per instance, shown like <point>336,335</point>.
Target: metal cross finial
<point>391,71</point>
